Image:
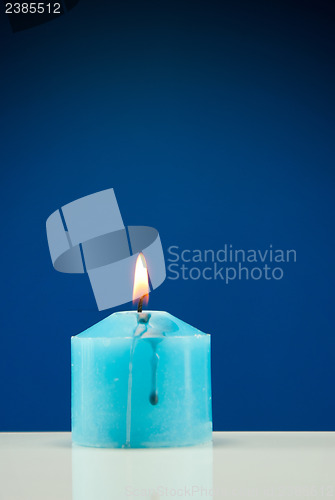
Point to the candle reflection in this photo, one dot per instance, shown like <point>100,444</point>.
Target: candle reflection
<point>99,474</point>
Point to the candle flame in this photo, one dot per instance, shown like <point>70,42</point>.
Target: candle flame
<point>141,280</point>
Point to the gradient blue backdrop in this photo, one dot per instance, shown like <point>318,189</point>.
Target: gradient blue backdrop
<point>214,122</point>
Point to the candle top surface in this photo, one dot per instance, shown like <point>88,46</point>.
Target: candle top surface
<point>125,324</point>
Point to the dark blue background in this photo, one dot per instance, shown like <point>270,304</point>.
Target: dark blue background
<point>214,122</point>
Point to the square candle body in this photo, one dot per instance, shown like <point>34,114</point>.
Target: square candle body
<point>141,380</point>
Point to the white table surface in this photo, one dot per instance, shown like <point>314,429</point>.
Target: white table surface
<point>259,465</point>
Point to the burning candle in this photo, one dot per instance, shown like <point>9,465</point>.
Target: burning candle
<point>141,379</point>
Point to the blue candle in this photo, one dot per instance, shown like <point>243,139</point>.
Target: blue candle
<point>141,380</point>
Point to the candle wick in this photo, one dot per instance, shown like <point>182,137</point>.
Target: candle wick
<point>140,304</point>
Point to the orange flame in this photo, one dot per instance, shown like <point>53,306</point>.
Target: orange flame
<point>141,280</point>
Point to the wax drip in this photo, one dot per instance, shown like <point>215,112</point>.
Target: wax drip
<point>154,338</point>
<point>153,398</point>
<point>142,327</point>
